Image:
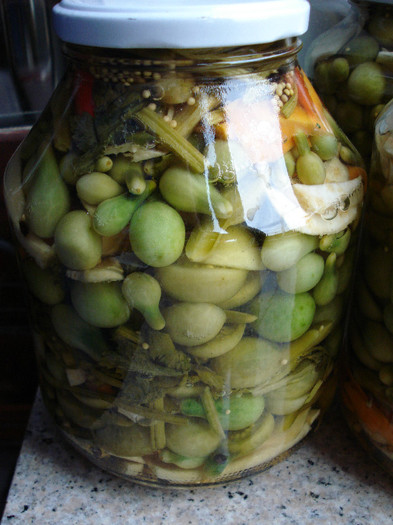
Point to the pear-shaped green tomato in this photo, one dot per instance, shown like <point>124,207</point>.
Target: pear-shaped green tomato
<point>47,198</point>
<point>157,234</point>
<point>112,215</point>
<point>143,293</point>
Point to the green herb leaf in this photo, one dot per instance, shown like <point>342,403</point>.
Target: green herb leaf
<point>162,349</point>
<point>91,135</point>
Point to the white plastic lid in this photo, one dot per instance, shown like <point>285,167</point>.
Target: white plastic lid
<point>178,23</point>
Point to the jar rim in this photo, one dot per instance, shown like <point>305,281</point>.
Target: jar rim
<point>172,24</point>
<point>183,59</point>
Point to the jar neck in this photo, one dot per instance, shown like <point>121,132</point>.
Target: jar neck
<point>260,56</point>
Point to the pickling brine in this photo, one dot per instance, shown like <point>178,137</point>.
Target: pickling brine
<point>186,222</point>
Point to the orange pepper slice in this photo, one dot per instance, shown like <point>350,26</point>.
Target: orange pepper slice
<point>373,419</point>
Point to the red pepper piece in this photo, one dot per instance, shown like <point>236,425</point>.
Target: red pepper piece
<point>309,100</point>
<point>84,93</point>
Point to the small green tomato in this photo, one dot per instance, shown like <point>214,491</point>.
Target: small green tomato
<point>157,234</point>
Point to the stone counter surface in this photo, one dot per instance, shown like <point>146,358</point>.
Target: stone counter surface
<point>329,480</point>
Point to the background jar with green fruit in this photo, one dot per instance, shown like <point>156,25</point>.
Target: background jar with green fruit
<point>351,66</point>
<point>367,389</point>
<point>186,215</point>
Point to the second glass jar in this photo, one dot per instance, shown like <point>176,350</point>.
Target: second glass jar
<point>367,389</point>
<point>351,66</point>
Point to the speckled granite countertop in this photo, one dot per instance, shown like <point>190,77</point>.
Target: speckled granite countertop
<point>329,480</point>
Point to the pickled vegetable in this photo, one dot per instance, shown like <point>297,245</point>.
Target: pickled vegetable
<point>47,197</point>
<point>157,234</point>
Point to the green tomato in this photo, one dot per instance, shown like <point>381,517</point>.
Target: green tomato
<point>362,48</point>
<point>366,84</point>
<point>100,304</point>
<point>325,146</point>
<point>283,317</point>
<point>157,234</point>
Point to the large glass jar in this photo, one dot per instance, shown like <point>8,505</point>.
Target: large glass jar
<point>351,66</point>
<point>186,221</point>
<point>368,386</point>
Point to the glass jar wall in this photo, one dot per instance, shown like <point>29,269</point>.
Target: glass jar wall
<point>351,67</point>
<point>186,222</point>
<point>367,388</point>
